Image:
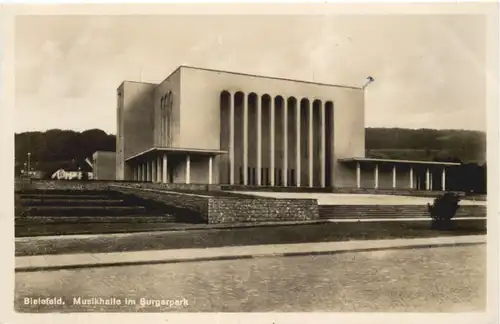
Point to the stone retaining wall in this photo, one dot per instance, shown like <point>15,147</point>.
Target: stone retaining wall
<point>217,209</point>
<point>229,210</point>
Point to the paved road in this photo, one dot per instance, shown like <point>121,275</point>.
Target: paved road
<point>450,279</point>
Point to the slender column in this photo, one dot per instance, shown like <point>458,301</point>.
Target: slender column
<point>231,138</point>
<point>427,180</point>
<point>153,171</point>
<point>188,169</point>
<point>297,129</point>
<point>322,150</point>
<point>164,165</point>
<point>285,142</point>
<point>411,178</point>
<point>245,140</point>
<point>358,175</point>
<point>158,169</point>
<point>443,179</point>
<point>430,183</point>
<point>210,170</point>
<point>148,175</point>
<point>272,131</point>
<point>259,141</point>
<point>376,176</point>
<point>311,142</point>
<point>143,172</point>
<point>394,176</point>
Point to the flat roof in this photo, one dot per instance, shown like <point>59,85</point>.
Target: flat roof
<point>104,152</point>
<point>391,161</point>
<point>251,75</point>
<point>178,150</point>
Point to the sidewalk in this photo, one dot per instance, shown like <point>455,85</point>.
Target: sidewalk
<point>86,260</point>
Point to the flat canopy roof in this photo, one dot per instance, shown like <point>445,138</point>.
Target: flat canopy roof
<point>176,151</point>
<point>390,161</point>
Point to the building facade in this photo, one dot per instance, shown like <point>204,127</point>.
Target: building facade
<point>217,127</point>
<point>66,174</point>
<point>104,165</point>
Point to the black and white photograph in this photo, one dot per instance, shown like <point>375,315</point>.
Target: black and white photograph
<point>255,161</point>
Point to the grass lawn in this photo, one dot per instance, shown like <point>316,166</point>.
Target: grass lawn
<point>280,234</point>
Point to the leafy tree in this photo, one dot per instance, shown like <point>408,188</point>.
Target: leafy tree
<point>443,210</point>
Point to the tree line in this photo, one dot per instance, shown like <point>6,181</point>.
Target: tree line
<point>56,148</point>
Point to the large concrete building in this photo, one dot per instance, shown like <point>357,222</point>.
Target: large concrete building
<point>216,127</point>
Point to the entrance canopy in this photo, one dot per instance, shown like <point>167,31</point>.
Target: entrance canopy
<point>400,164</point>
<point>372,161</point>
<point>151,165</point>
<point>156,151</point>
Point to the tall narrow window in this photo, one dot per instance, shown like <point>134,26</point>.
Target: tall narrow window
<point>162,100</point>
<point>168,117</point>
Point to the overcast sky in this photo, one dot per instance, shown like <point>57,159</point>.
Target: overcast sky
<point>429,69</point>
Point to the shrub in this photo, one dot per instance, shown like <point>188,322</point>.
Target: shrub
<point>443,210</point>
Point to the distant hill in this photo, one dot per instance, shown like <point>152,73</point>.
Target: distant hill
<point>57,148</point>
<point>426,144</point>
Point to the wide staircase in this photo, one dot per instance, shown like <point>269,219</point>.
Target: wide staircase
<point>55,212</point>
<point>390,211</point>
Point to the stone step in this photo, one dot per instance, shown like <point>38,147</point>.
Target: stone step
<point>390,216</point>
<point>61,196</point>
<point>71,202</point>
<point>390,211</point>
<point>84,210</point>
<point>64,192</point>
<point>390,207</point>
<point>36,220</point>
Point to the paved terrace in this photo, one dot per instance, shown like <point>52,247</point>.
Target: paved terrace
<point>356,199</point>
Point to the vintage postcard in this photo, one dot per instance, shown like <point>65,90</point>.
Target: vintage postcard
<point>243,162</point>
